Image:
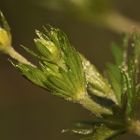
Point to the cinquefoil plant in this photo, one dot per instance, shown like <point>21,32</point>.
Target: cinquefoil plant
<point>68,74</point>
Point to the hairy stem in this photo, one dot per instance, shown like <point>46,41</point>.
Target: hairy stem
<point>94,107</point>
<point>17,56</point>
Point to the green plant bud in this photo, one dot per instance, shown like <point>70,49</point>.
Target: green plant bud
<point>47,48</point>
<point>62,76</point>
<point>5,40</point>
<point>5,35</point>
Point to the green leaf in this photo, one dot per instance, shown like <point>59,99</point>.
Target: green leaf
<point>97,84</point>
<point>115,80</point>
<point>4,23</point>
<point>33,74</point>
<point>123,75</point>
<point>61,84</point>
<point>114,73</point>
<point>62,75</point>
<point>102,133</point>
<point>117,54</point>
<point>32,53</point>
<point>72,61</point>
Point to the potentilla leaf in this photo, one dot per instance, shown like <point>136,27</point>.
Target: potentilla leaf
<point>61,66</point>
<point>66,73</point>
<point>123,75</point>
<point>131,73</point>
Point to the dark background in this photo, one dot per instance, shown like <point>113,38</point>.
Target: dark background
<point>28,112</point>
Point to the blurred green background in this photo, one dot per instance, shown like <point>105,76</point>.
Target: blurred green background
<point>28,112</point>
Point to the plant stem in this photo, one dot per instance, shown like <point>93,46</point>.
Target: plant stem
<point>135,127</point>
<point>94,107</point>
<point>113,20</point>
<point>17,56</point>
<point>119,23</point>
